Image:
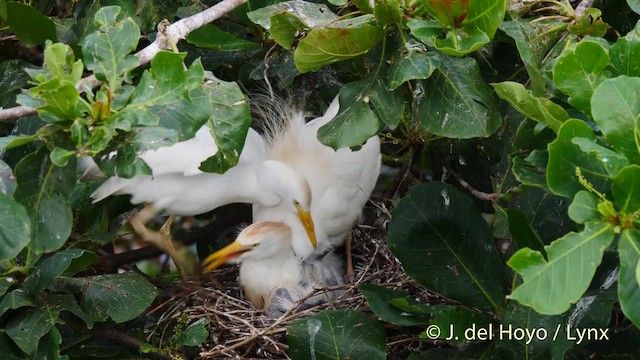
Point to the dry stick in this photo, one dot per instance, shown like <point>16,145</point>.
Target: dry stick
<point>582,7</point>
<point>172,34</point>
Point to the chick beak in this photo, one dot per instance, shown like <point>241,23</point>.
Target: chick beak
<point>223,255</point>
<point>305,218</point>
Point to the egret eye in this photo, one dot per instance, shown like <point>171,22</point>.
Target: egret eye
<point>295,202</point>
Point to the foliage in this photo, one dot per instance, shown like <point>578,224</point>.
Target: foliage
<point>550,147</point>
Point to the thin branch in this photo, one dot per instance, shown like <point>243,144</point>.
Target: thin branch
<point>172,34</point>
<point>475,192</point>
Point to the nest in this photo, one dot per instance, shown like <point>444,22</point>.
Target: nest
<point>237,330</point>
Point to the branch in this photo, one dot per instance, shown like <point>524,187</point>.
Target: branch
<point>171,35</point>
<point>582,7</point>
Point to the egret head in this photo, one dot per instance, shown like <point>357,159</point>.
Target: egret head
<point>293,189</point>
<point>259,240</point>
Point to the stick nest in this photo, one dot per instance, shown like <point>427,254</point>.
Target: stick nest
<point>237,330</point>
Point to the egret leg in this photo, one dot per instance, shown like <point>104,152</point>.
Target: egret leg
<point>161,239</point>
<point>350,275</point>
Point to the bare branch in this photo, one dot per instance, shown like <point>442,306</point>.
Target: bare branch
<point>172,34</point>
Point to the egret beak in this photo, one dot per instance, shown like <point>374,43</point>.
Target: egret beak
<point>223,255</point>
<point>305,218</point>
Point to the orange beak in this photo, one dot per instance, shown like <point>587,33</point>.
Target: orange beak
<point>307,221</point>
<point>223,255</point>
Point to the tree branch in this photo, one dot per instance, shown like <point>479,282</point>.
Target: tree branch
<point>583,6</point>
<point>172,34</point>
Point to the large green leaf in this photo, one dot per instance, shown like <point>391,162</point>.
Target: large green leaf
<point>229,123</point>
<point>195,334</point>
<point>15,228</point>
<point>532,39</point>
<point>48,269</point>
<point>565,157</point>
<point>458,103</point>
<point>337,334</point>
<point>12,79</point>
<point>539,109</point>
<point>579,70</point>
<point>565,276</point>
<point>31,27</point>
<point>27,327</point>
<point>628,287</point>
<point>444,243</point>
<point>61,100</point>
<point>623,54</point>
<point>120,296</point>
<point>415,65</point>
<point>546,212</point>
<point>530,170</point>
<point>616,110</point>
<point>379,299</point>
<point>626,188</point>
<point>49,346</point>
<point>106,51</point>
<point>538,346</point>
<point>456,42</point>
<point>42,189</point>
<point>211,37</point>
<point>15,300</point>
<point>338,41</point>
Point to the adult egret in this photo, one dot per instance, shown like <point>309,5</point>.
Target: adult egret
<point>274,280</point>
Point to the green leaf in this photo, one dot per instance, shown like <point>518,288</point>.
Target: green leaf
<point>284,28</point>
<point>465,32</point>
<point>531,169</point>
<point>458,103</point>
<point>339,41</point>
<point>565,157</point>
<point>60,157</point>
<point>15,300</point>
<point>613,161</point>
<point>106,50</point>
<point>412,66</point>
<point>60,62</point>
<point>444,244</point>
<point>195,334</point>
<point>313,15</point>
<point>388,12</point>
<point>355,122</point>
<point>67,302</point>
<point>533,40</point>
<point>538,109</point>
<point>61,99</point>
<point>48,269</point>
<point>530,137</point>
<point>337,334</point>
<point>41,189</point>
<point>572,262</point>
<point>5,284</point>
<point>458,319</point>
<point>628,288</point>
<point>29,25</point>
<point>27,327</point>
<point>211,37</point>
<point>579,70</point>
<point>120,296</point>
<point>584,207</point>
<point>543,347</point>
<point>522,232</point>
<point>616,110</point>
<point>634,5</point>
<point>229,123</point>
<point>15,228</point>
<point>623,53</point>
<point>590,23</point>
<point>378,299</point>
<point>9,350</point>
<point>626,189</point>
<point>49,346</point>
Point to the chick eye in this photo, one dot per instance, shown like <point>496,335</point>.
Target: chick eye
<point>295,202</point>
<point>255,245</point>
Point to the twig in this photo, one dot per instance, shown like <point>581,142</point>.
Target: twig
<point>124,339</point>
<point>477,193</point>
<point>173,33</point>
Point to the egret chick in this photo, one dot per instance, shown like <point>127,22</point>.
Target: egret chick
<point>272,277</point>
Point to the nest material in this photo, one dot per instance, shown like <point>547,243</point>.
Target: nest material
<point>237,330</point>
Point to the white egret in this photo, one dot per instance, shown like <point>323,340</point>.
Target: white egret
<point>287,174</point>
<point>274,280</point>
